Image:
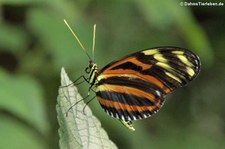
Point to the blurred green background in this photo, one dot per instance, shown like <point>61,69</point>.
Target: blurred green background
<point>35,44</point>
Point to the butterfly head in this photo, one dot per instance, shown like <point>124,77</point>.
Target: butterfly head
<point>91,70</point>
<point>91,67</point>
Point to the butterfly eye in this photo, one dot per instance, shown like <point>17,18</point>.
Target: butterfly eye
<point>91,64</point>
<point>87,70</point>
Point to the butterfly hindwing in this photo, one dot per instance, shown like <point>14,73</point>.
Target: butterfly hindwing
<point>135,86</point>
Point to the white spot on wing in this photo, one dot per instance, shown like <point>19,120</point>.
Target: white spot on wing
<point>158,93</point>
<point>145,116</point>
<point>117,116</point>
<point>134,118</point>
<point>122,117</point>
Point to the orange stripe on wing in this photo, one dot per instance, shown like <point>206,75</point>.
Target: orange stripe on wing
<point>126,90</point>
<point>133,74</point>
<point>126,107</point>
<point>131,59</point>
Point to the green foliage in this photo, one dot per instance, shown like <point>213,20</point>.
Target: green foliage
<point>22,97</point>
<point>78,129</point>
<point>35,44</point>
<point>11,38</point>
<point>16,135</point>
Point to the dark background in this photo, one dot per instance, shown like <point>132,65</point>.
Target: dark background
<point>35,44</point>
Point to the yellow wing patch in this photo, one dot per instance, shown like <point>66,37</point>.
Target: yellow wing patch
<point>184,60</point>
<point>150,52</point>
<point>160,58</point>
<point>173,76</point>
<point>164,65</point>
<point>178,52</point>
<point>190,71</point>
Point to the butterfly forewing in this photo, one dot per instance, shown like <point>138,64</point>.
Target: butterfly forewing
<point>135,86</point>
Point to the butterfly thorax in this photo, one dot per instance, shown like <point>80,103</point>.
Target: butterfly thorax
<point>92,70</point>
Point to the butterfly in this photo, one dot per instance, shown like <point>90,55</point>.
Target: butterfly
<point>135,86</point>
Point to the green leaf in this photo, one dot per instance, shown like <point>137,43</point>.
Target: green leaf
<point>12,38</point>
<point>22,96</point>
<point>19,2</point>
<point>15,135</point>
<point>79,129</point>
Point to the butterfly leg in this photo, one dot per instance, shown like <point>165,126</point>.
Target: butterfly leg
<point>128,124</point>
<point>74,82</point>
<point>90,88</point>
<point>84,79</point>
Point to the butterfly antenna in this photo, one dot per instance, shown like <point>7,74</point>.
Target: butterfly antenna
<point>77,39</point>
<point>93,43</point>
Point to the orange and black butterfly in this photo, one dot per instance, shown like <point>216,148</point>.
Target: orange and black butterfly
<point>135,86</point>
